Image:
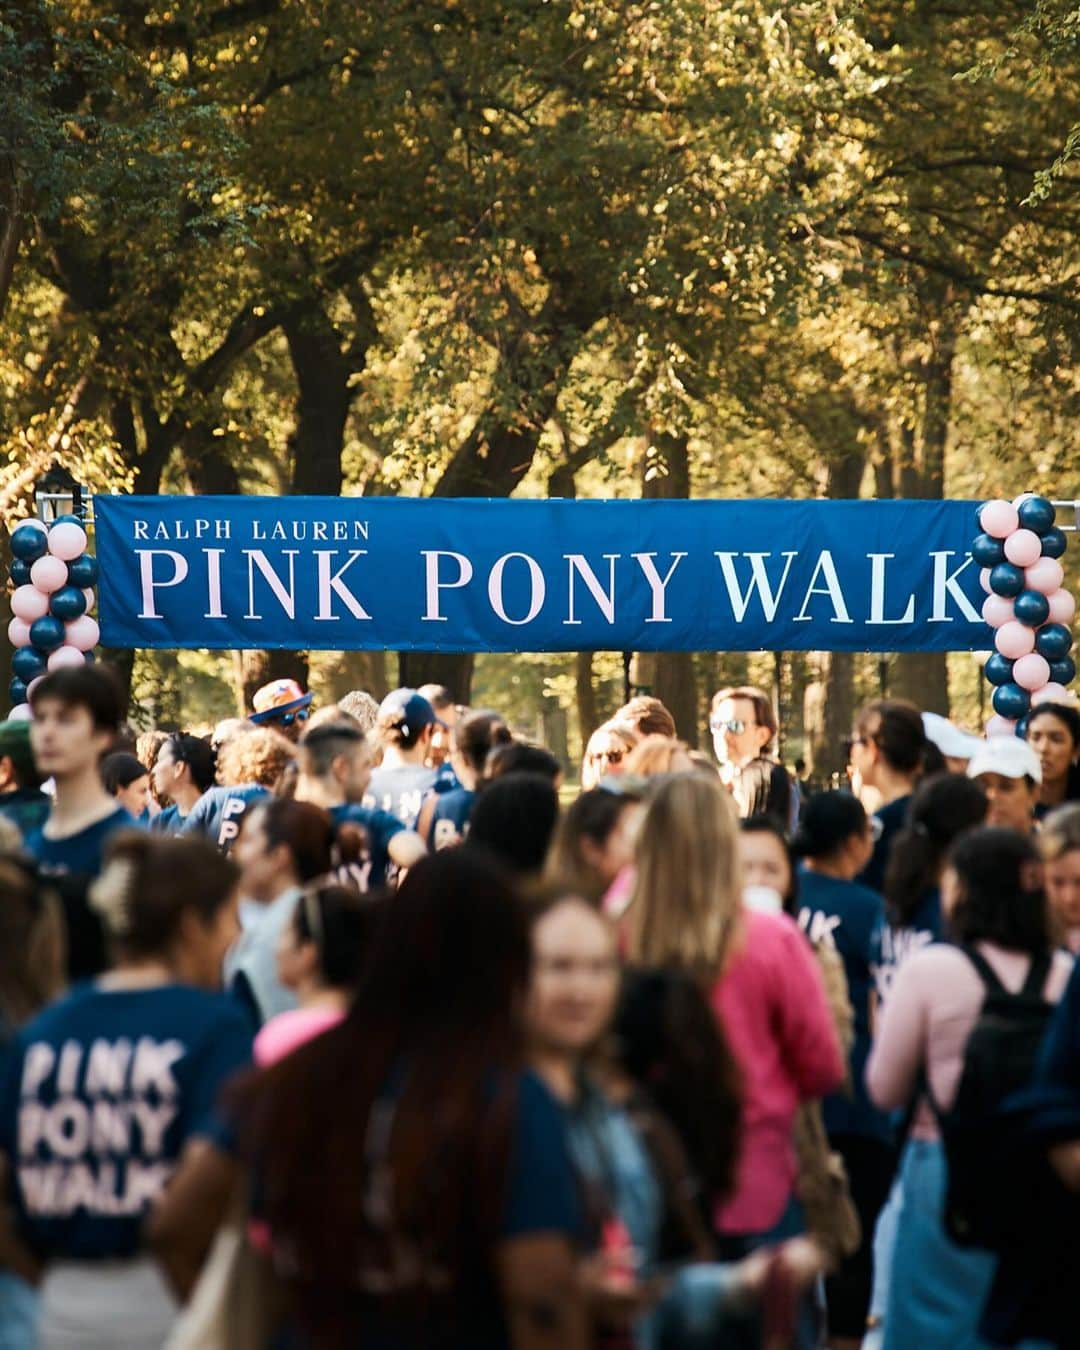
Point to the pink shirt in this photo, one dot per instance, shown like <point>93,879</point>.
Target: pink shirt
<point>771,1004</point>
<point>932,1008</point>
<point>289,1030</point>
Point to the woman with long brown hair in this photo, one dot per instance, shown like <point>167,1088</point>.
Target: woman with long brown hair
<point>414,1176</point>
<point>686,911</point>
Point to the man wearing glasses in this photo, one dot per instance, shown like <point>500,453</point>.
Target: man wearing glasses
<point>743,727</point>
<point>283,705</point>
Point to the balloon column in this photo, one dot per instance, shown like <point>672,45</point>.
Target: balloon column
<point>1018,549</point>
<point>53,576</point>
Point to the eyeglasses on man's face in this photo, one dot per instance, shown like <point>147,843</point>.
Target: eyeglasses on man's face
<point>287,719</point>
<point>614,756</point>
<point>735,725</point>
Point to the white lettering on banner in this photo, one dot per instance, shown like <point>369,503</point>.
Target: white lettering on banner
<point>285,598</point>
<point>538,588</point>
<point>319,531</point>
<point>433,585</point>
<point>759,581</point>
<point>213,583</point>
<point>605,600</point>
<point>945,585</point>
<point>877,592</point>
<point>330,584</point>
<point>146,558</point>
<point>826,568</point>
<point>657,584</point>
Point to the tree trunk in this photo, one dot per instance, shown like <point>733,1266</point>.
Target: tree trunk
<point>585,696</point>
<point>452,669</point>
<point>252,669</point>
<point>322,403</point>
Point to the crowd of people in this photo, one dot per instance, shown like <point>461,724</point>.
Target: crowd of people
<point>355,1026</point>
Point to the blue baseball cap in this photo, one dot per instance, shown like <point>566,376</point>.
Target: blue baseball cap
<point>407,710</point>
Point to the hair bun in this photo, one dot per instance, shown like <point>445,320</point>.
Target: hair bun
<point>110,895</point>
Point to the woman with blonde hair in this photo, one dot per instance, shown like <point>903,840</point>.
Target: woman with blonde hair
<point>686,912</point>
<point>606,752</point>
<point>1059,848</point>
<point>658,754</point>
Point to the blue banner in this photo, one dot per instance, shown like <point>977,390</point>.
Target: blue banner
<point>473,575</point>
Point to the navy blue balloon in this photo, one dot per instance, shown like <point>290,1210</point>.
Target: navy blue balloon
<point>1011,701</point>
<point>29,543</point>
<point>1007,580</point>
<point>69,519</point>
<point>1037,513</point>
<point>68,603</point>
<point>1022,727</point>
<point>1031,608</point>
<point>998,669</point>
<point>28,663</point>
<point>1054,641</point>
<point>19,572</point>
<point>47,633</point>
<point>83,571</point>
<point>988,551</point>
<point>1054,543</point>
<point>1063,671</point>
<point>17,691</point>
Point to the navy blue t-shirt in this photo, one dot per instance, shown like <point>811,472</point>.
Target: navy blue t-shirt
<point>897,943</point>
<point>98,1096</point>
<point>219,813</point>
<point>887,824</point>
<point>850,918</point>
<point>450,818</point>
<point>167,821</point>
<point>71,864</point>
<point>381,827</point>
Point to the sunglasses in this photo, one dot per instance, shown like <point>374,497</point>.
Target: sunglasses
<point>612,756</point>
<point>287,719</point>
<point>734,724</point>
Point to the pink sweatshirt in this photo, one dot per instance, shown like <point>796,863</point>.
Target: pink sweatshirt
<point>771,1004</point>
<point>932,1008</point>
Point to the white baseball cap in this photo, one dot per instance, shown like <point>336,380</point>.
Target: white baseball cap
<point>948,737</point>
<point>1007,755</point>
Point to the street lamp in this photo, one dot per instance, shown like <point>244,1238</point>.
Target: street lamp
<point>57,494</point>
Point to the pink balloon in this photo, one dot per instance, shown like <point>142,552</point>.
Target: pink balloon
<point>984,580</point>
<point>29,603</point>
<point>997,610</point>
<point>998,518</point>
<point>1022,498</point>
<point>64,657</point>
<point>48,574</point>
<point>1023,547</point>
<point>1015,639</point>
<point>1044,576</point>
<point>19,633</point>
<point>32,686</point>
<point>20,713</point>
<point>1031,671</point>
<point>1051,693</point>
<point>82,633</point>
<point>90,598</point>
<point>1062,607</point>
<point>1000,726</point>
<point>34,524</point>
<point>67,540</point>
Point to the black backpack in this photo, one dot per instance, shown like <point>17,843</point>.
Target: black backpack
<point>995,1180</point>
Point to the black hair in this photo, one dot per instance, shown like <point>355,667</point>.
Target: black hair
<point>325,742</point>
<point>1064,714</point>
<point>341,923</point>
<point>120,770</point>
<point>762,824</point>
<point>520,757</point>
<point>827,821</point>
<point>307,831</point>
<point>198,754</point>
<point>477,733</point>
<point>941,810</point>
<point>899,735</point>
<point>94,688</point>
<point>142,902</point>
<point>1001,896</point>
<point>667,1038</point>
<point>513,820</point>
